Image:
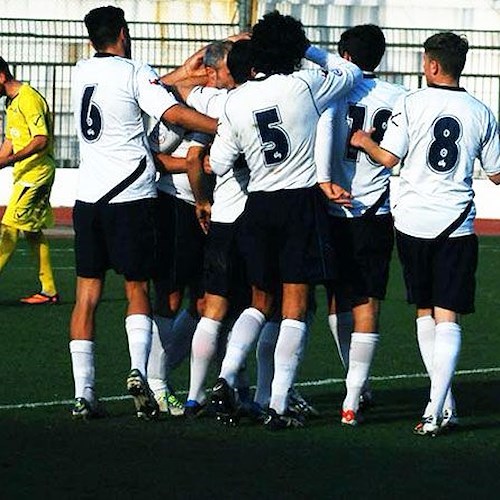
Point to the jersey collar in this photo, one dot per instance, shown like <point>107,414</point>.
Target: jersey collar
<point>104,54</point>
<point>446,87</point>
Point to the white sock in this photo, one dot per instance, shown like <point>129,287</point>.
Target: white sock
<point>426,335</point>
<point>245,331</point>
<point>138,328</point>
<point>446,352</point>
<point>82,360</point>
<point>181,338</point>
<point>341,328</point>
<point>360,359</point>
<point>203,349</point>
<point>287,356</point>
<point>157,361</point>
<point>265,362</point>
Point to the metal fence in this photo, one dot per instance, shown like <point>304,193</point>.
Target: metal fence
<point>43,53</point>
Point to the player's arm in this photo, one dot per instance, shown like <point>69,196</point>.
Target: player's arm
<point>363,140</point>
<point>198,183</point>
<point>190,119</point>
<point>495,178</point>
<point>191,74</point>
<point>172,164</point>
<point>36,145</point>
<point>336,193</point>
<point>5,152</point>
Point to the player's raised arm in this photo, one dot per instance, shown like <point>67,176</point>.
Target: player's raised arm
<point>190,119</point>
<point>363,140</point>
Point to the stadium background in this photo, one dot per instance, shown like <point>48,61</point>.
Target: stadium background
<point>43,39</point>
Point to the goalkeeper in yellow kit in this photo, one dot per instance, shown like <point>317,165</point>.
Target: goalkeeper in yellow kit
<point>28,146</point>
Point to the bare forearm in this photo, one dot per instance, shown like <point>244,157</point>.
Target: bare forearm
<point>190,119</point>
<point>8,157</point>
<point>363,140</point>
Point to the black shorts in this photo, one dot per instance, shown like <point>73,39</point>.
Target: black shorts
<point>180,246</point>
<point>286,239</point>
<point>363,249</point>
<point>439,274</point>
<point>224,267</point>
<point>119,236</point>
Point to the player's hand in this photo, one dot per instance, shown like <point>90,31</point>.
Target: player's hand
<point>203,213</point>
<point>336,193</point>
<point>360,137</point>
<point>244,35</point>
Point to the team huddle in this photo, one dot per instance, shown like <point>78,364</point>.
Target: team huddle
<point>254,181</point>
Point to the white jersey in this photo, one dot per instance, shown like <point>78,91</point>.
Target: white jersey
<point>272,121</point>
<point>206,100</point>
<point>369,104</point>
<point>438,132</point>
<point>229,196</point>
<point>110,94</point>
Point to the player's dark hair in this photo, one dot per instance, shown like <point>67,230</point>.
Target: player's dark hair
<point>279,43</point>
<point>240,62</point>
<point>104,25</point>
<point>216,52</point>
<point>449,50</point>
<point>4,68</point>
<point>365,44</point>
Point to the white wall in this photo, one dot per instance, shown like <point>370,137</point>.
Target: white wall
<point>63,193</point>
<point>205,11</point>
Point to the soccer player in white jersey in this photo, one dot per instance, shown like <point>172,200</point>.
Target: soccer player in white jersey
<point>182,235</point>
<point>437,133</point>
<point>224,277</point>
<point>115,212</point>
<point>271,120</point>
<point>363,233</point>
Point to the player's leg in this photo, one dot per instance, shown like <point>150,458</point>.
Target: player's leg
<point>290,344</point>
<point>82,346</point>
<point>167,297</point>
<point>8,242</point>
<point>453,264</point>
<point>426,336</point>
<point>40,248</point>
<point>266,346</point>
<point>341,323</point>
<point>245,332</point>
<point>204,348</point>
<point>364,341</point>
<point>91,264</point>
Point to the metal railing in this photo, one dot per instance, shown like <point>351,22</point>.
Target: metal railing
<point>43,52</point>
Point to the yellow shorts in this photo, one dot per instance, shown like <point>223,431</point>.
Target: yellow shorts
<point>29,207</point>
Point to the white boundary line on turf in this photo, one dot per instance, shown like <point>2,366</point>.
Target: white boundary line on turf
<point>311,383</point>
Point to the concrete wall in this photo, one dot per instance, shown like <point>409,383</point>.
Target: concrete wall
<point>63,193</point>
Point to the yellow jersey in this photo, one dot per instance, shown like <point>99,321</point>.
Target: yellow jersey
<point>28,115</point>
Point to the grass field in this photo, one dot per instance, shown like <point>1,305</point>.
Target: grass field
<point>44,454</point>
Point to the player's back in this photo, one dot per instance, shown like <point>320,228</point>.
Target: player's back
<point>368,105</point>
<point>273,120</point>
<point>447,130</point>
<point>109,95</point>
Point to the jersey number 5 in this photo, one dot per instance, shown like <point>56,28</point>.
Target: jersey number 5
<point>275,142</point>
<point>90,116</point>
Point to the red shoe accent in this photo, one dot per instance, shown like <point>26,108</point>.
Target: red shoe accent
<point>348,418</point>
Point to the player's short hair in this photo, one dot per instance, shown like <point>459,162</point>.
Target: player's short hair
<point>365,44</point>
<point>4,68</point>
<point>279,43</point>
<point>216,52</point>
<point>104,25</point>
<point>449,50</point>
<point>240,62</point>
